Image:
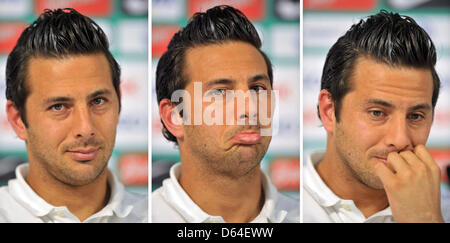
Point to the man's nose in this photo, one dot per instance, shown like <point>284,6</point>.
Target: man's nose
<point>398,135</point>
<point>82,123</point>
<point>250,106</point>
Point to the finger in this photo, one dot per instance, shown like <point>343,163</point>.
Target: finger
<point>397,162</point>
<point>385,174</point>
<point>425,156</point>
<point>412,159</point>
<point>422,153</point>
<point>419,167</point>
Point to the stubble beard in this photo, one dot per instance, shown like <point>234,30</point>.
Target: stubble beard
<point>58,167</point>
<point>354,161</point>
<point>233,163</point>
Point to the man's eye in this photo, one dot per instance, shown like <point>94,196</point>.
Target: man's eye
<point>98,101</point>
<point>258,88</point>
<point>217,92</point>
<point>376,113</point>
<point>57,107</point>
<point>416,117</point>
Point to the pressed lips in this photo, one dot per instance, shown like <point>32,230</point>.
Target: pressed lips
<point>381,159</point>
<point>247,138</point>
<point>84,154</point>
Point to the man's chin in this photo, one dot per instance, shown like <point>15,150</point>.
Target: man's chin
<point>374,183</point>
<point>80,173</point>
<point>79,179</point>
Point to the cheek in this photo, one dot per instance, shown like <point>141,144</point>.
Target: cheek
<point>360,134</point>
<point>420,135</point>
<point>42,128</point>
<point>202,136</point>
<point>366,134</point>
<point>48,132</point>
<point>107,125</point>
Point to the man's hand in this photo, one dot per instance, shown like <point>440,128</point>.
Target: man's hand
<point>413,188</point>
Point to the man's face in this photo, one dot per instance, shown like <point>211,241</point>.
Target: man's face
<point>229,149</point>
<point>387,110</point>
<point>72,112</point>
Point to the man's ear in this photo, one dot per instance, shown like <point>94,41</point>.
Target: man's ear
<point>15,120</point>
<point>171,118</point>
<point>326,110</point>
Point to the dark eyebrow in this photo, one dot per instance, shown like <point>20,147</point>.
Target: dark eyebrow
<point>389,105</point>
<point>258,78</point>
<point>419,107</point>
<point>57,99</point>
<point>99,93</point>
<point>379,102</point>
<point>218,81</point>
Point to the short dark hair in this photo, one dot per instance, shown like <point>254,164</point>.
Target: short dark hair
<point>55,34</point>
<point>387,37</point>
<point>215,26</point>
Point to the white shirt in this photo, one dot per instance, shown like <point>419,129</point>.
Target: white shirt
<point>171,204</point>
<point>321,205</point>
<point>19,203</point>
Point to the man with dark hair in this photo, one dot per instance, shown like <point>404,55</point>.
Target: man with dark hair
<point>63,100</point>
<point>378,92</point>
<point>219,178</point>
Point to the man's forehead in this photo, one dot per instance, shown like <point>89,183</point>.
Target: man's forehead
<point>69,74</point>
<point>230,60</point>
<point>70,66</point>
<point>369,74</point>
<point>66,62</point>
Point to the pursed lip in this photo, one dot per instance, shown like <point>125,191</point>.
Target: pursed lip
<point>381,159</point>
<point>83,154</point>
<point>247,138</point>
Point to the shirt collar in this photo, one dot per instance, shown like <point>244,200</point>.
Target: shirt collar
<point>116,204</point>
<point>314,183</point>
<point>25,195</point>
<point>178,198</point>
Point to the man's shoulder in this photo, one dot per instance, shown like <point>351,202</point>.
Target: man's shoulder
<point>10,209</point>
<point>162,210</point>
<point>4,189</point>
<point>140,205</point>
<point>159,203</point>
<point>158,196</point>
<point>290,205</point>
<point>135,197</point>
<point>314,212</point>
<point>5,201</point>
<point>287,203</point>
<point>5,197</point>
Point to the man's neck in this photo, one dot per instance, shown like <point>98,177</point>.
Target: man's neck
<point>234,199</point>
<point>340,180</point>
<point>82,201</point>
